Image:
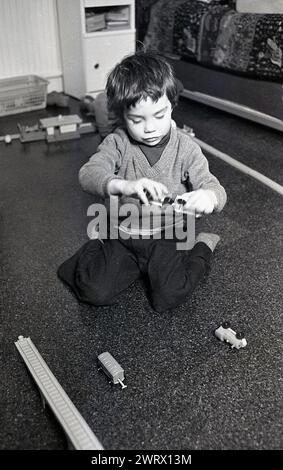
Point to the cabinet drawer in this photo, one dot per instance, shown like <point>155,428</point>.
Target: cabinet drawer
<point>102,54</point>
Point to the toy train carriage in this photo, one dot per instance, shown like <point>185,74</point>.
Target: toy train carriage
<point>225,333</point>
<point>174,200</point>
<point>111,368</point>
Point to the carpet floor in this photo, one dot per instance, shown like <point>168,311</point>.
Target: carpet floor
<point>185,389</point>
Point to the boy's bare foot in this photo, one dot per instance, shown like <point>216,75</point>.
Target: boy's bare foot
<point>210,239</point>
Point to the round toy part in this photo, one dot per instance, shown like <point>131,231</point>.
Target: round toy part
<point>226,324</point>
<point>168,200</point>
<point>181,201</point>
<point>8,139</point>
<point>240,335</point>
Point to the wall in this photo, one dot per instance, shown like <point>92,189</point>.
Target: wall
<point>29,40</point>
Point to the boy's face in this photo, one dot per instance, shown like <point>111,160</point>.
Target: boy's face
<point>149,121</point>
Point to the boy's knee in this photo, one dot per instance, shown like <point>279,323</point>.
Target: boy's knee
<point>95,296</point>
<point>92,288</point>
<point>164,298</point>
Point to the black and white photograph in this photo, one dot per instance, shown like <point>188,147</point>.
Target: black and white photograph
<point>141,222</point>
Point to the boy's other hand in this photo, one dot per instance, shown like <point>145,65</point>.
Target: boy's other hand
<point>202,201</point>
<point>144,188</point>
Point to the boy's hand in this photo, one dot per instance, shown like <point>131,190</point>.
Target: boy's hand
<point>138,188</point>
<point>144,187</point>
<point>202,201</point>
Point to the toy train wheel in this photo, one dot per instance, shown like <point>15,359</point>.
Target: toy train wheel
<point>226,324</point>
<point>240,335</point>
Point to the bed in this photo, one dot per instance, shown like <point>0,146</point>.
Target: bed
<point>225,58</point>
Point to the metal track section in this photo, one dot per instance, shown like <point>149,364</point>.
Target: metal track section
<point>235,108</point>
<point>79,433</point>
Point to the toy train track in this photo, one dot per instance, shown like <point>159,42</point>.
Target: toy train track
<point>79,433</point>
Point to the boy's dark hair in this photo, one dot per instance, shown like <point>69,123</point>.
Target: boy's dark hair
<point>139,76</point>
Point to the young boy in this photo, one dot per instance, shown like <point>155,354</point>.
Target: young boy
<point>144,160</point>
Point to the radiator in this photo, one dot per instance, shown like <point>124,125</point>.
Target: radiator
<point>29,39</point>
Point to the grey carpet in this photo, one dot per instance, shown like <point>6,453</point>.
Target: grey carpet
<point>186,389</point>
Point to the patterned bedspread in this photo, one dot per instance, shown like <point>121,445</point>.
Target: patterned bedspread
<point>217,36</point>
<point>161,25</point>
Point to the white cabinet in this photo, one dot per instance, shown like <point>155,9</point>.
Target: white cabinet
<point>94,36</point>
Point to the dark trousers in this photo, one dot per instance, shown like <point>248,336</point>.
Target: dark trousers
<point>98,272</point>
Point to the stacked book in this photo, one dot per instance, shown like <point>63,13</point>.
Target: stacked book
<point>118,16</point>
<point>95,22</point>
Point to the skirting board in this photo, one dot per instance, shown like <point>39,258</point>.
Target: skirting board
<point>234,108</point>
